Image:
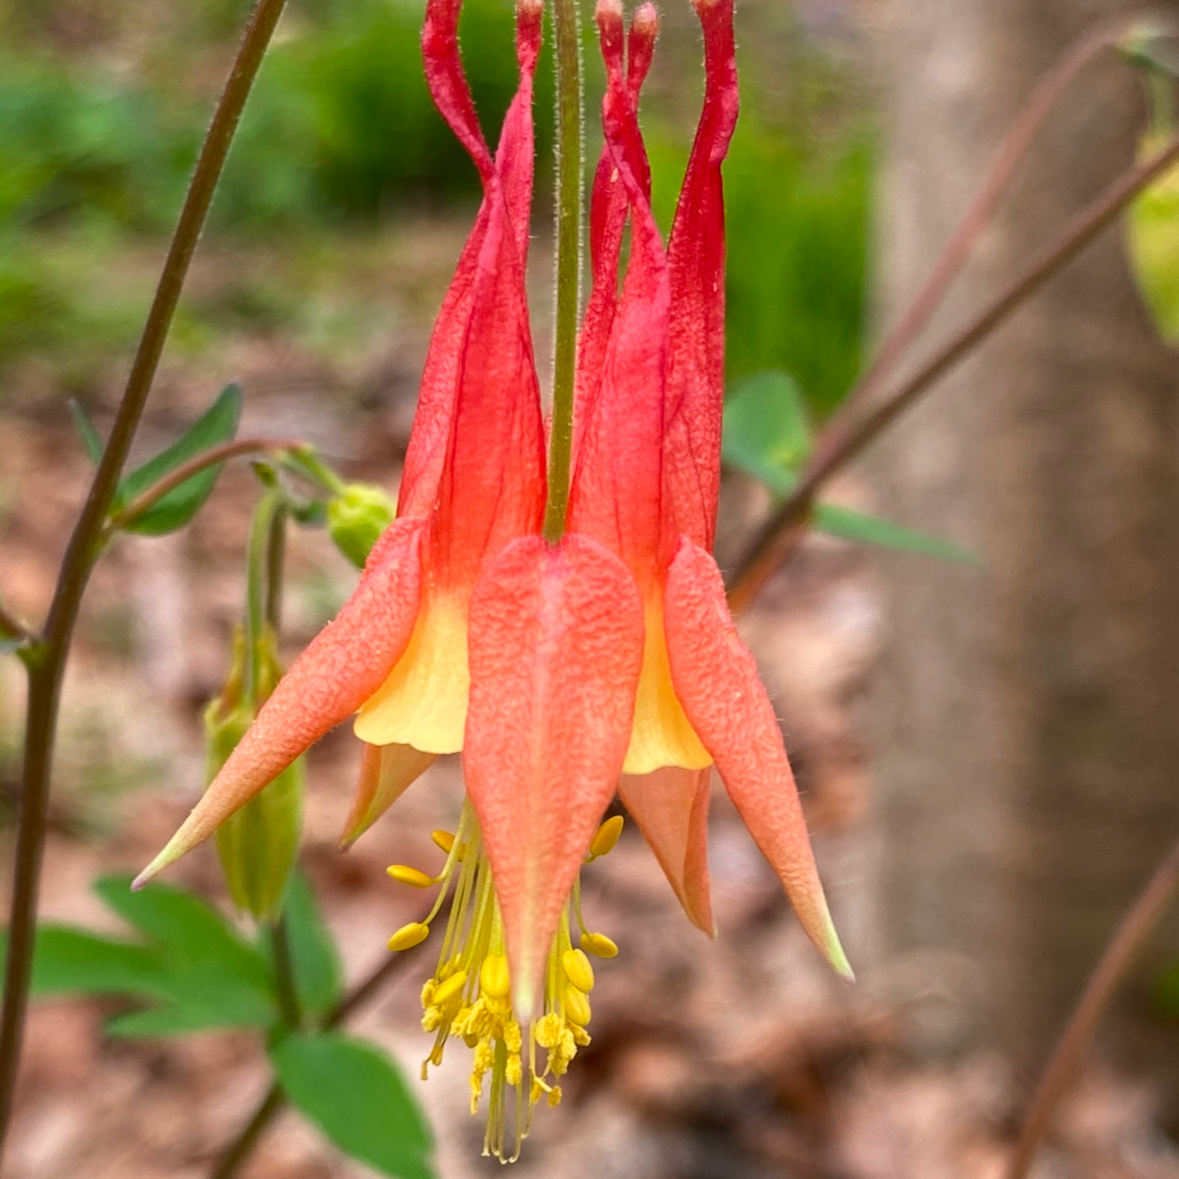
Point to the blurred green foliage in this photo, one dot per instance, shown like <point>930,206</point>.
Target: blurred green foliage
<point>340,126</point>
<point>798,187</point>
<point>96,145</point>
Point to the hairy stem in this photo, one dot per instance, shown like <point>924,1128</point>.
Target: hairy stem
<point>48,668</point>
<point>778,536</point>
<point>570,152</point>
<point>1128,939</point>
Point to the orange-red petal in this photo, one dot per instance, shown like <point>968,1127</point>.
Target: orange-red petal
<point>617,481</point>
<point>555,645</point>
<point>670,805</point>
<point>344,665</point>
<point>716,680</point>
<point>386,772</point>
<point>696,265</point>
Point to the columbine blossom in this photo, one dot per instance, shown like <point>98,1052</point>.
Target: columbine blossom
<point>566,671</point>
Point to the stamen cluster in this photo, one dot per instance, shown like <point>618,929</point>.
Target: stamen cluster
<point>469,994</point>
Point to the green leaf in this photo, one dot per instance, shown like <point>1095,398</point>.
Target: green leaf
<point>319,977</point>
<point>356,1095</point>
<point>766,429</point>
<point>849,525</point>
<point>210,977</point>
<point>90,436</point>
<point>69,961</point>
<point>217,425</point>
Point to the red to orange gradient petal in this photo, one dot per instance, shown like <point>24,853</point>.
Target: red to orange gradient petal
<point>716,680</point>
<point>344,665</point>
<point>556,644</point>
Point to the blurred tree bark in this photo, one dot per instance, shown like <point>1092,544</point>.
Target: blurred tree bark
<point>1026,716</point>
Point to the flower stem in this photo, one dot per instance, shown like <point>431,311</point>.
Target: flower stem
<point>48,668</point>
<point>1014,149</point>
<point>202,462</point>
<point>570,155</point>
<point>240,1148</point>
<point>284,971</point>
<point>1131,934</point>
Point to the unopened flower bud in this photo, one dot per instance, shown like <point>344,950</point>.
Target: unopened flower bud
<point>258,844</point>
<point>1152,230</point>
<point>357,517</point>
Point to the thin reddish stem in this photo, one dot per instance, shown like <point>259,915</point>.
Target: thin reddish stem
<point>1010,154</point>
<point>779,535</point>
<point>1124,947</point>
<point>202,462</point>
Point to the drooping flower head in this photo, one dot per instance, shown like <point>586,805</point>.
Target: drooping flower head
<point>564,671</point>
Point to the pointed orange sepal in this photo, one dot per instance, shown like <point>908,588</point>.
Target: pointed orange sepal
<point>670,805</point>
<point>556,643</point>
<point>386,772</point>
<point>344,665</point>
<point>716,680</point>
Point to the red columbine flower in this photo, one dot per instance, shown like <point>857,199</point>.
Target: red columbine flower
<point>563,671</point>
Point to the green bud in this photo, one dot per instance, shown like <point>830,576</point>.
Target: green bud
<point>258,845</point>
<point>357,517</point>
<point>1152,228</point>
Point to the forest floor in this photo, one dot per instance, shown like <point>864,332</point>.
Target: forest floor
<point>739,1058</point>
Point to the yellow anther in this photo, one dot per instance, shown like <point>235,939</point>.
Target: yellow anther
<point>606,837</point>
<point>513,1039</point>
<point>555,1095</point>
<point>577,1006</point>
<point>450,988</point>
<point>514,1069</point>
<point>411,876</point>
<point>547,1032</point>
<point>409,936</point>
<point>494,979</point>
<point>599,945</point>
<point>444,839</point>
<point>578,970</point>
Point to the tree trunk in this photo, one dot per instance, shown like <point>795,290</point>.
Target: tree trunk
<point>1027,715</point>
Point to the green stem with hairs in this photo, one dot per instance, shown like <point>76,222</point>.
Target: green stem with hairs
<point>570,156</point>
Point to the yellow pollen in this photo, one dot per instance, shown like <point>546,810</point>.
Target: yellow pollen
<point>409,936</point>
<point>599,945</point>
<point>469,997</point>
<point>606,837</point>
<point>578,970</point>
<point>411,876</point>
